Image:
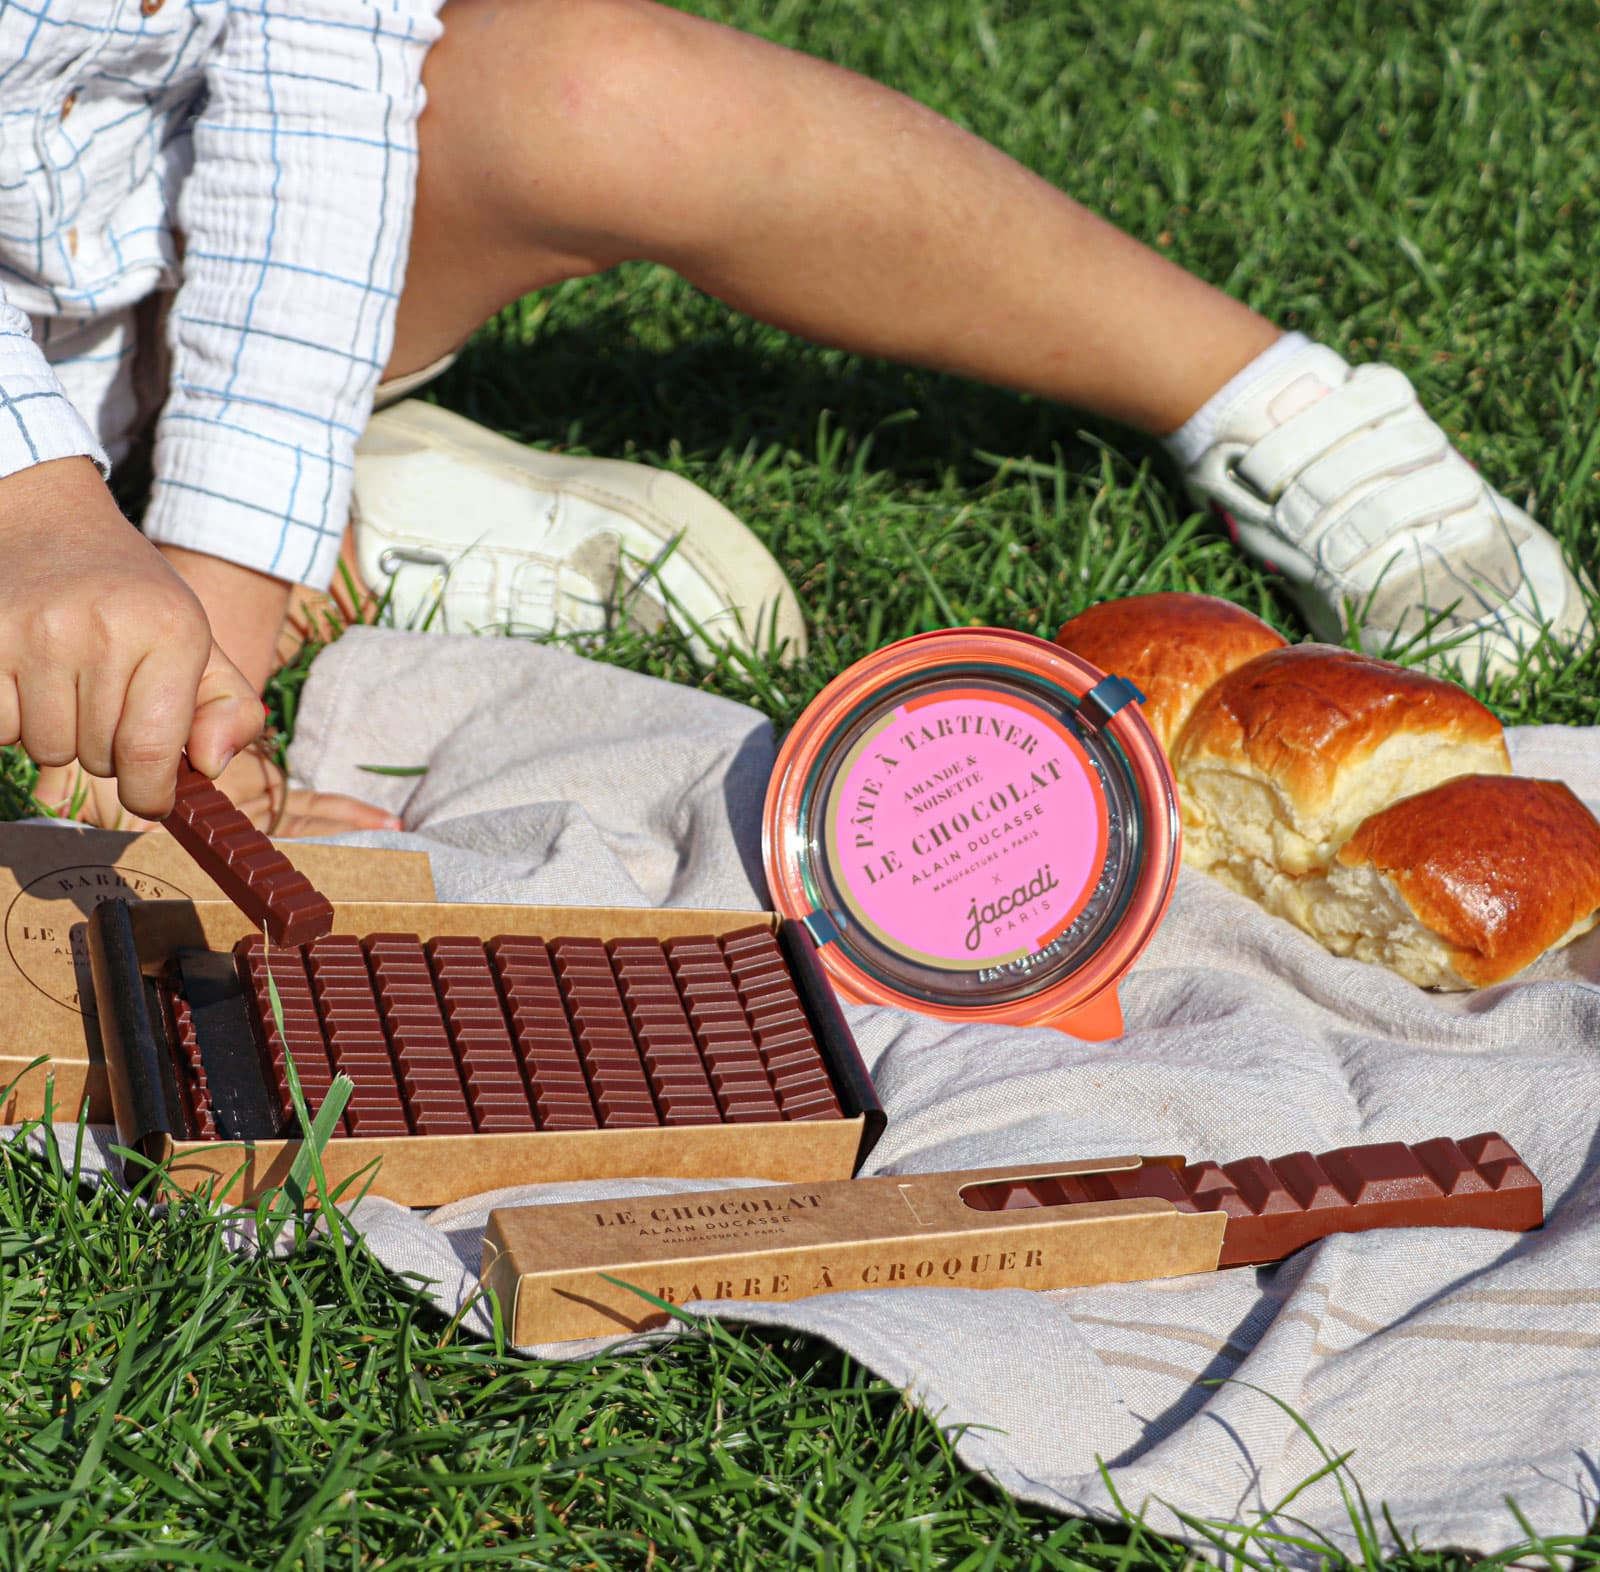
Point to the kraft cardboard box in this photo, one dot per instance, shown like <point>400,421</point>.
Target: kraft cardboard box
<point>52,877</point>
<point>562,1271</point>
<point>418,1170</point>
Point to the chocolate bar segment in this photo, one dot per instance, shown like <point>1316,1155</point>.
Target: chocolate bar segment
<point>244,863</point>
<point>302,1033</point>
<point>496,1088</point>
<point>188,1067</point>
<point>1274,1208</point>
<point>542,1033</point>
<point>722,1030</point>
<point>429,1071</point>
<point>780,1025</point>
<point>673,1064</point>
<point>611,1056</point>
<point>1387,1185</point>
<point>341,993</point>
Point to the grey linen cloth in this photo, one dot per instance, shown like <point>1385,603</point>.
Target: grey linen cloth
<point>1459,1367</point>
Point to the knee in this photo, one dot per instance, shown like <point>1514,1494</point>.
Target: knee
<point>554,117</point>
<point>596,62</point>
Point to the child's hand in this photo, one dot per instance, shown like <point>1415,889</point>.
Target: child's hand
<point>106,656</point>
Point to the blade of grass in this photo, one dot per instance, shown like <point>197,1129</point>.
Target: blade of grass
<point>290,1199</point>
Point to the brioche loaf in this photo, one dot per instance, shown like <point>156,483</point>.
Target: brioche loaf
<point>1287,754</point>
<point>1370,805</point>
<point>1171,646</point>
<point>1465,884</point>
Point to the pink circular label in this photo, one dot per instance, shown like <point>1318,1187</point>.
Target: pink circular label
<point>967,830</point>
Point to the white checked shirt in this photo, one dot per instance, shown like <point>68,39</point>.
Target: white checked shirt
<point>278,138</point>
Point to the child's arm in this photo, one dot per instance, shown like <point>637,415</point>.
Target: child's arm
<point>105,656</point>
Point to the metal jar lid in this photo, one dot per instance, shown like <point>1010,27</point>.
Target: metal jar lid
<point>976,824</point>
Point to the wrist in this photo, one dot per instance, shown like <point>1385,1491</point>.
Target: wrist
<point>246,609</point>
<point>41,492</point>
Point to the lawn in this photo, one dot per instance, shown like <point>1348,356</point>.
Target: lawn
<point>1408,181</point>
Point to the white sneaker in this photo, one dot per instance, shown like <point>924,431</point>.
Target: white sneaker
<point>1338,478</point>
<point>466,530</point>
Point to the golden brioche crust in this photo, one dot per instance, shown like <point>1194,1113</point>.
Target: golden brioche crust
<point>1500,867</point>
<point>1302,714</point>
<point>1172,646</point>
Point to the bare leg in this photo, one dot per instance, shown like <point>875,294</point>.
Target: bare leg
<point>565,136</point>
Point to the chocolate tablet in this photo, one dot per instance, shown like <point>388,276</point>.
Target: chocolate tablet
<point>459,1036</point>
<point>1274,1207</point>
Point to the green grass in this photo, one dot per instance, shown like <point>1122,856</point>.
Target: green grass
<point>1414,182</point>
<point>166,1403</point>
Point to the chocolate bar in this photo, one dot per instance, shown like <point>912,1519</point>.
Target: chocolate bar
<point>1274,1208</point>
<point>460,1037</point>
<point>563,1271</point>
<point>244,863</point>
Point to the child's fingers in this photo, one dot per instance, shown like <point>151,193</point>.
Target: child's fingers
<point>156,714</point>
<point>259,790</point>
<point>227,715</point>
<point>328,813</point>
<point>61,788</point>
<point>102,704</point>
<point>10,711</point>
<point>47,702</point>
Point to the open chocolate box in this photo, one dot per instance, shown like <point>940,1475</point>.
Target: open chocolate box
<point>488,1046</point>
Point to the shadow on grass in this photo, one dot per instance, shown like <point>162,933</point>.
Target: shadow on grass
<point>594,384</point>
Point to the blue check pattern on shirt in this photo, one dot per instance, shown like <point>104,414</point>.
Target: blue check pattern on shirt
<point>258,156</point>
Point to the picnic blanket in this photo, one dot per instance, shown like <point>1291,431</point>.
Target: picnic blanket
<point>1460,1368</point>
